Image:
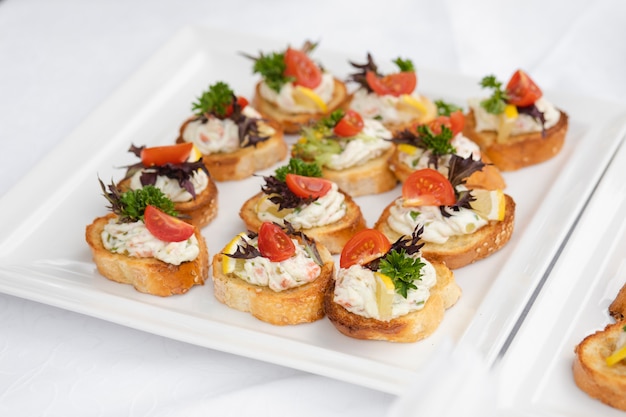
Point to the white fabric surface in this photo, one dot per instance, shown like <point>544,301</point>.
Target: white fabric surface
<point>60,58</point>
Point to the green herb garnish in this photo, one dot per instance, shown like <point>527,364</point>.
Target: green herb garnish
<point>404,65</point>
<point>446,109</point>
<point>215,100</point>
<point>497,102</point>
<point>299,167</point>
<point>402,269</point>
<point>131,205</point>
<point>437,144</point>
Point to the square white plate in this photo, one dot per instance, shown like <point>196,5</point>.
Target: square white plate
<point>43,256</point>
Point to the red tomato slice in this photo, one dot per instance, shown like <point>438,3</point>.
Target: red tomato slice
<point>306,187</point>
<point>392,84</point>
<point>455,122</point>
<point>242,101</point>
<point>427,187</point>
<point>364,247</point>
<point>522,90</point>
<point>161,155</point>
<point>302,68</point>
<point>165,227</point>
<point>350,124</point>
<point>274,243</point>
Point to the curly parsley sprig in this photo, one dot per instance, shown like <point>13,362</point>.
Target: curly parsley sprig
<point>497,102</point>
<point>131,205</point>
<point>215,100</point>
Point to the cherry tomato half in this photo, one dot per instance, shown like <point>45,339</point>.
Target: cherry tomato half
<point>302,68</point>
<point>392,84</point>
<point>364,247</point>
<point>427,187</point>
<point>161,155</point>
<point>242,101</point>
<point>455,122</point>
<point>350,124</point>
<point>165,227</point>
<point>274,243</point>
<point>306,187</point>
<point>522,90</point>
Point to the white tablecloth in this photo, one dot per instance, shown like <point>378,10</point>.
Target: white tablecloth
<point>60,58</point>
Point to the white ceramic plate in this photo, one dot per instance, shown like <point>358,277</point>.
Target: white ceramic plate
<point>43,256</point>
<point>536,372</point>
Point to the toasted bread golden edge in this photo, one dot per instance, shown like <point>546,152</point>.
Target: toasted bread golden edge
<point>291,123</point>
<point>297,305</point>
<point>460,251</point>
<point>333,236</point>
<point>593,375</point>
<point>489,178</point>
<point>200,211</point>
<point>409,328</point>
<point>147,275</point>
<point>244,162</point>
<point>518,151</point>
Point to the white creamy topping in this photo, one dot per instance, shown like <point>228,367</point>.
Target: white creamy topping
<point>355,290</point>
<point>171,188</point>
<point>464,148</point>
<point>437,229</point>
<point>216,135</point>
<point>384,107</point>
<point>523,123</point>
<point>368,144</point>
<point>295,271</point>
<point>284,98</point>
<point>325,210</point>
<point>134,239</point>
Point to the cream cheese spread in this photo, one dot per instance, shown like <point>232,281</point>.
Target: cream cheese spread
<point>523,123</point>
<point>134,239</point>
<point>463,146</point>
<point>171,188</point>
<point>370,143</point>
<point>284,98</point>
<point>355,290</point>
<point>386,108</point>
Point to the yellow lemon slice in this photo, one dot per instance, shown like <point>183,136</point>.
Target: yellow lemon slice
<point>195,154</point>
<point>308,98</point>
<point>411,103</point>
<point>229,264</point>
<point>265,205</point>
<point>385,292</point>
<point>489,204</point>
<point>407,149</point>
<point>507,121</point>
<point>617,356</point>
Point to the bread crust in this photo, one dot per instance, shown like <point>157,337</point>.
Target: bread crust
<point>244,162</point>
<point>200,211</point>
<point>489,178</point>
<point>303,304</point>
<point>463,250</point>
<point>147,275</point>
<point>617,309</point>
<point>593,375</point>
<point>333,236</point>
<point>292,122</point>
<point>411,327</point>
<point>372,177</point>
<point>518,151</point>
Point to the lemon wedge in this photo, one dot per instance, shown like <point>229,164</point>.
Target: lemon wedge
<point>265,205</point>
<point>507,121</point>
<point>617,356</point>
<point>229,264</point>
<point>308,98</point>
<point>489,204</point>
<point>407,149</point>
<point>195,154</point>
<point>385,292</point>
<point>411,103</point>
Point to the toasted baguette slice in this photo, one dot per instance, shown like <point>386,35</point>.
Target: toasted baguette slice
<point>199,211</point>
<point>333,236</point>
<point>411,327</point>
<point>462,250</point>
<point>244,162</point>
<point>593,375</point>
<point>292,122</point>
<point>147,275</point>
<point>489,178</point>
<point>303,304</point>
<point>518,151</point>
<point>617,309</point>
<point>373,177</point>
